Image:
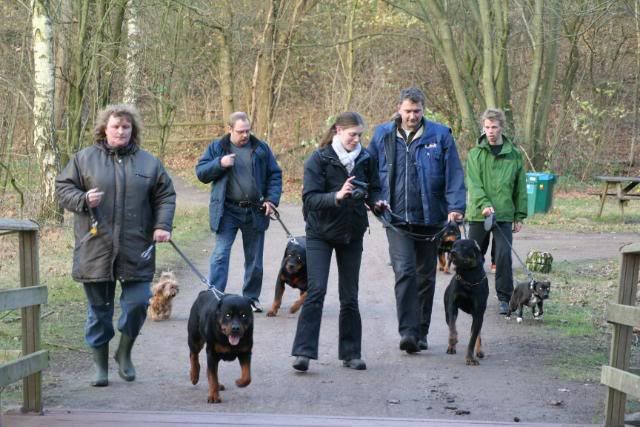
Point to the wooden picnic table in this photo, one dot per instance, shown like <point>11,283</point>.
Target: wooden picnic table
<point>621,188</point>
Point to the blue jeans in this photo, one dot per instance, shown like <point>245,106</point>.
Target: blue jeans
<point>234,219</point>
<point>134,301</point>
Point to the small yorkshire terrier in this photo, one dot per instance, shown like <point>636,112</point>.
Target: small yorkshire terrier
<point>163,292</point>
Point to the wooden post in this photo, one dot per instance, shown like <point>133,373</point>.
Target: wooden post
<point>603,198</point>
<point>29,276</point>
<point>622,334</point>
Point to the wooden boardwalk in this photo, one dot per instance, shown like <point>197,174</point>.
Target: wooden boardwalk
<point>87,418</point>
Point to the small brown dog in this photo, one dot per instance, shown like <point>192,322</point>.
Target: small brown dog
<point>163,293</point>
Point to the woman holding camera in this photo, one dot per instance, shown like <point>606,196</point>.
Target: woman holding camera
<point>340,178</point>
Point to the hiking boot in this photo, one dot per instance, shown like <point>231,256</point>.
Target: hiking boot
<point>357,364</point>
<point>504,307</point>
<point>256,307</point>
<point>423,344</point>
<point>301,363</point>
<point>408,343</point>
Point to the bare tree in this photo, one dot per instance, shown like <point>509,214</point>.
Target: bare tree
<point>43,118</point>
<point>132,67</point>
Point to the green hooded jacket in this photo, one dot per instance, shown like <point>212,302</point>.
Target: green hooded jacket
<point>497,181</point>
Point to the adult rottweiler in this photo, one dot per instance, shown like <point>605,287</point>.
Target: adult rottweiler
<point>293,271</point>
<point>451,234</point>
<point>532,294</point>
<point>467,291</point>
<point>225,325</point>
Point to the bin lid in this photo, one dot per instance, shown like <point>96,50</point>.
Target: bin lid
<point>540,176</point>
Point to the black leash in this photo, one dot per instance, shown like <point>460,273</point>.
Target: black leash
<point>276,216</point>
<point>147,254</point>
<point>414,236</point>
<point>490,224</point>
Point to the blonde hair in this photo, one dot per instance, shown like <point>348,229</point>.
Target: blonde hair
<point>495,115</point>
<point>119,110</point>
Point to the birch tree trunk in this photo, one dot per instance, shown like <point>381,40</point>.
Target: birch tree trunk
<point>43,118</point>
<point>132,67</point>
<point>261,94</point>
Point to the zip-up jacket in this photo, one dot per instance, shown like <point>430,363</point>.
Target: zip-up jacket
<point>324,175</point>
<point>437,186</point>
<point>138,198</point>
<point>498,181</point>
<point>266,173</point>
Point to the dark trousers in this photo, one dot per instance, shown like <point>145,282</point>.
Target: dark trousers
<point>348,258</point>
<point>484,246</point>
<point>414,264</point>
<point>504,270</point>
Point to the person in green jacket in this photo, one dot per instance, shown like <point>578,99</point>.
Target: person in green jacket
<point>496,184</point>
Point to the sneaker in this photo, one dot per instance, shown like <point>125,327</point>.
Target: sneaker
<point>504,307</point>
<point>408,343</point>
<point>423,344</point>
<point>256,307</point>
<point>493,268</point>
<point>357,364</point>
<point>301,363</point>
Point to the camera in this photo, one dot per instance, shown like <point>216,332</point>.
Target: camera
<point>360,190</point>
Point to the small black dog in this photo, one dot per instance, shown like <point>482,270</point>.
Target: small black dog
<point>225,325</point>
<point>293,271</point>
<point>467,291</point>
<point>532,294</point>
<point>450,235</point>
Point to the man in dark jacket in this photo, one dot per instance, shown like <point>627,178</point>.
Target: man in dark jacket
<point>423,180</point>
<point>123,201</point>
<point>246,184</point>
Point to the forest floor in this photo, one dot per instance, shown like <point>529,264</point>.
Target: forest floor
<point>515,381</point>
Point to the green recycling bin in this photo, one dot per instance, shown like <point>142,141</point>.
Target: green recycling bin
<point>539,192</point>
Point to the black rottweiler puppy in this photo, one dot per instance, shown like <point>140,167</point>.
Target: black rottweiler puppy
<point>467,291</point>
<point>532,294</point>
<point>225,324</point>
<point>293,272</point>
<point>450,235</point>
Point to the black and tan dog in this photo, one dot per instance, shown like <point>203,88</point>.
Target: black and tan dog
<point>293,271</point>
<point>225,325</point>
<point>532,294</point>
<point>467,291</point>
<point>450,235</point>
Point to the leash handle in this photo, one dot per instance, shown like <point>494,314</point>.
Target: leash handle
<point>203,279</point>
<point>276,216</point>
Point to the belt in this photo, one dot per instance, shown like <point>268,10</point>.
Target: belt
<point>245,204</point>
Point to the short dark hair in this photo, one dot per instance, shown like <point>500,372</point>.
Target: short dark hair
<point>346,120</point>
<point>236,117</point>
<point>412,94</point>
<point>118,110</point>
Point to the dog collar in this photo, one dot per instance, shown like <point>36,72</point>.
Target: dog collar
<point>467,283</point>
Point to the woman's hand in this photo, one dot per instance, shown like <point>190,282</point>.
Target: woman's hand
<point>93,197</point>
<point>381,206</point>
<point>160,235</point>
<point>345,191</point>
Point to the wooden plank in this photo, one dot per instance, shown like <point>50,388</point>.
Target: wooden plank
<point>26,365</point>
<point>18,224</point>
<point>11,299</point>
<point>631,248</point>
<point>621,380</point>
<point>83,418</point>
<point>622,314</point>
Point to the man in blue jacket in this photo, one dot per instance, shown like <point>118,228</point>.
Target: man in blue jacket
<point>246,184</point>
<point>423,181</point>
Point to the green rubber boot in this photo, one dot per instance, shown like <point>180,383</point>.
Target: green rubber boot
<point>126,370</point>
<point>101,359</point>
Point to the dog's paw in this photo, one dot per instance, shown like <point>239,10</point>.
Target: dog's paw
<point>214,399</point>
<point>470,361</point>
<point>538,317</point>
<point>241,382</point>
<point>221,387</point>
<point>480,354</point>
<point>507,317</point>
<point>451,350</point>
<point>194,375</point>
<point>294,308</point>
<point>519,319</point>
<point>271,313</point>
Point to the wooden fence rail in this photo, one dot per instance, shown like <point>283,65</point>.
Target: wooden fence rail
<point>28,298</point>
<point>624,316</point>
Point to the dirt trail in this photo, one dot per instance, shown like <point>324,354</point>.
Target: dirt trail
<point>512,381</point>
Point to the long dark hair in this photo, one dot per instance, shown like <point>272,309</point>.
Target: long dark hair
<point>345,120</point>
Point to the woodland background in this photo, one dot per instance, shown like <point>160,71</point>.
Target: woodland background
<point>566,72</point>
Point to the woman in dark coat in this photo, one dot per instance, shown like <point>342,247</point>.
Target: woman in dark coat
<point>123,201</point>
<point>339,179</point>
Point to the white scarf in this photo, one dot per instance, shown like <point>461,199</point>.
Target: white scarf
<point>347,158</point>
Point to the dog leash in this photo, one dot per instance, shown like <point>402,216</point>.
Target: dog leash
<point>491,219</point>
<point>414,236</point>
<point>276,216</point>
<point>146,254</point>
